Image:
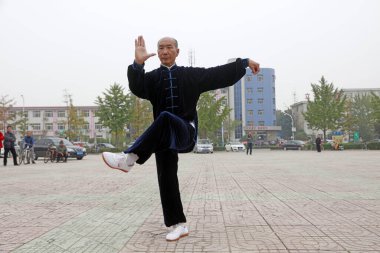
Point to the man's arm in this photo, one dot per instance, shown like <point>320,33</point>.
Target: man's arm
<point>136,74</point>
<point>224,75</point>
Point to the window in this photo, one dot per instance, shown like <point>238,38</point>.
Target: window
<point>273,90</point>
<point>274,122</point>
<point>274,101</point>
<point>86,126</point>
<point>35,126</point>
<point>249,101</point>
<point>61,114</point>
<point>98,126</point>
<point>273,78</point>
<point>36,114</point>
<point>223,91</point>
<point>261,123</point>
<point>260,101</point>
<point>260,78</point>
<point>260,112</point>
<point>61,126</point>
<point>249,123</point>
<point>248,78</point>
<point>249,90</point>
<point>86,113</point>
<point>260,89</point>
<point>48,114</point>
<point>274,111</point>
<point>49,126</point>
<point>250,112</point>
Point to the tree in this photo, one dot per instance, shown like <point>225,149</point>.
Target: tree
<point>211,113</point>
<point>113,111</point>
<point>285,122</point>
<point>327,110</point>
<point>375,102</point>
<point>75,122</point>
<point>6,105</point>
<point>363,113</point>
<point>139,115</point>
<point>22,123</point>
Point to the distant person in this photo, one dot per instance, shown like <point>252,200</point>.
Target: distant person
<point>318,143</point>
<point>174,92</point>
<point>29,143</point>
<point>9,146</point>
<point>249,143</point>
<point>1,141</point>
<point>62,152</point>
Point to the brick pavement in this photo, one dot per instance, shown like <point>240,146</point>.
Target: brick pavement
<point>272,201</point>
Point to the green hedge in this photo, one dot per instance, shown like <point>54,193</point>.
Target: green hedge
<point>373,145</point>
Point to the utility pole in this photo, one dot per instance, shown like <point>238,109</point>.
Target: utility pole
<point>291,117</point>
<point>191,57</point>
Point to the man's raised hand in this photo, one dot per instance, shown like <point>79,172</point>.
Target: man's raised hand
<point>140,51</point>
<point>254,66</point>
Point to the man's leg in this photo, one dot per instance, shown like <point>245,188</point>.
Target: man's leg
<point>167,167</point>
<point>6,151</point>
<point>14,156</point>
<point>168,131</point>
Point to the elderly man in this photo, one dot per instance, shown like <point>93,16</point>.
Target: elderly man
<point>174,92</point>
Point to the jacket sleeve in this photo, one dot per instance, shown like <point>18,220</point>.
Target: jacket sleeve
<point>220,76</point>
<point>138,81</point>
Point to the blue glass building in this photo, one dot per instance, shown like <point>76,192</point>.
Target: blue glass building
<point>253,103</point>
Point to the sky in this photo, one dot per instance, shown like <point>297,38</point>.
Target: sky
<point>49,47</point>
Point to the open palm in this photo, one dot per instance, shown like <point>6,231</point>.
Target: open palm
<point>141,54</point>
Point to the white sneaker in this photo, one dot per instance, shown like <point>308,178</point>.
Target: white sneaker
<point>116,161</point>
<point>178,232</point>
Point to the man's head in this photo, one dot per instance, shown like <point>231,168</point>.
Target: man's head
<point>29,133</point>
<point>9,129</point>
<point>61,142</point>
<point>167,50</point>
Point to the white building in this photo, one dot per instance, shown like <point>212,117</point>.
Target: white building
<point>52,120</point>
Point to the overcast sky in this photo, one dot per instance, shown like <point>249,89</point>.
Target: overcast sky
<point>84,46</point>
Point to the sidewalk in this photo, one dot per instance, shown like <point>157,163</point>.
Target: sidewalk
<point>272,201</point>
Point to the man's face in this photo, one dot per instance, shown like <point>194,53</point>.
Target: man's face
<point>167,51</point>
<point>9,129</point>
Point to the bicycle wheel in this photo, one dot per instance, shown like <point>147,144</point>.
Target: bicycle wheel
<point>47,156</point>
<point>52,156</point>
<point>21,155</point>
<point>27,156</point>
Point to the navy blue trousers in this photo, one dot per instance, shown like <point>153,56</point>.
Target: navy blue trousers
<point>166,137</point>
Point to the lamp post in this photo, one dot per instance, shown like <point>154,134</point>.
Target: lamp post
<point>23,114</point>
<point>291,117</point>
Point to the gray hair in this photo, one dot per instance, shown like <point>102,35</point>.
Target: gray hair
<point>175,41</point>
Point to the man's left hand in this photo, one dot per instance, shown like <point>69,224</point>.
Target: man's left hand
<point>254,66</point>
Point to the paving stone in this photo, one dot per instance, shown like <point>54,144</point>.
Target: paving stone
<point>272,201</point>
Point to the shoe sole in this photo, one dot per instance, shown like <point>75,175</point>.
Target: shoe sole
<point>184,235</point>
<point>125,171</point>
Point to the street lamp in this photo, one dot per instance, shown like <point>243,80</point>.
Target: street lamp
<point>291,117</point>
<point>23,113</point>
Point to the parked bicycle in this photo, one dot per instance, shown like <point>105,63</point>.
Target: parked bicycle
<point>51,154</point>
<point>25,156</point>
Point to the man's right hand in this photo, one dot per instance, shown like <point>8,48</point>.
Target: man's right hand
<point>140,51</point>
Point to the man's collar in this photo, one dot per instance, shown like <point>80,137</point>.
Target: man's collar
<point>169,68</point>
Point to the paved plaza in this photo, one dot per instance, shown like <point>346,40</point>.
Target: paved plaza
<point>272,201</point>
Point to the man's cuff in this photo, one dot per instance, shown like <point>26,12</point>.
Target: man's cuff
<point>245,62</point>
<point>137,66</point>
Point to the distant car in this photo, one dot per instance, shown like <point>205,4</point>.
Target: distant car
<point>234,146</point>
<point>293,144</point>
<point>105,145</point>
<point>41,146</point>
<point>203,146</point>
